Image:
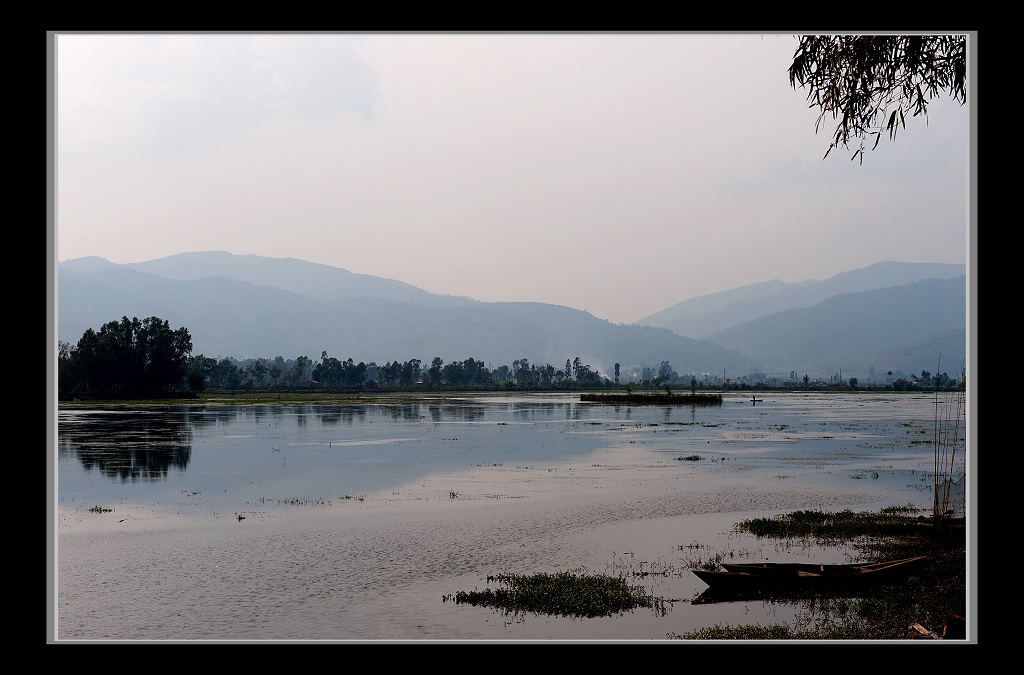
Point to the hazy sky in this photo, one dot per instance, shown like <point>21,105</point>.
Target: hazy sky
<point>616,173</point>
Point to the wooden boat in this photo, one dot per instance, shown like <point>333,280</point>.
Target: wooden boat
<point>810,576</point>
<point>788,569</point>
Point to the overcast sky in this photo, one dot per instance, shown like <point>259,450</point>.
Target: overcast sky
<point>619,174</point>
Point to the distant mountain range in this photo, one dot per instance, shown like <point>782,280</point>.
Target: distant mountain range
<point>909,328</point>
<point>708,314</point>
<point>890,316</point>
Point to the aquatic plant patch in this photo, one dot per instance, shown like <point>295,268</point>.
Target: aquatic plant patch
<point>828,524</point>
<point>934,596</point>
<point>561,594</point>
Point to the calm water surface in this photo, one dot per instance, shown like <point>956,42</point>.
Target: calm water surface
<point>351,522</point>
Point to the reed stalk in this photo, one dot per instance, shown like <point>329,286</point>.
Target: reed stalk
<point>950,413</point>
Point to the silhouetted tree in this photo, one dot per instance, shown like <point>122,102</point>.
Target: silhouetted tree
<point>301,371</point>
<point>127,358</point>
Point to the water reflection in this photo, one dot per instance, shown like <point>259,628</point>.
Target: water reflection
<point>237,455</point>
<point>333,415</point>
<point>200,419</point>
<point>131,446</point>
<point>458,411</point>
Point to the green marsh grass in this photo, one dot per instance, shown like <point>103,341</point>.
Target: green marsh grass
<point>576,594</point>
<point>833,525</point>
<point>933,596</point>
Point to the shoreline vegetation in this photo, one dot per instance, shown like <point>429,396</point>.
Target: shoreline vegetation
<point>931,604</point>
<point>133,359</point>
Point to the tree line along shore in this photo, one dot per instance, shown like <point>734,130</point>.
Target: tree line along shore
<point>147,359</point>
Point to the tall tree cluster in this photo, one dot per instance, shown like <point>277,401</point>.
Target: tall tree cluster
<point>145,359</point>
<point>126,358</point>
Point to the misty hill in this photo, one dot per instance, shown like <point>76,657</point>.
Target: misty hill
<point>318,281</point>
<point>252,306</point>
<point>291,313</point>
<point>903,328</point>
<point>708,314</point>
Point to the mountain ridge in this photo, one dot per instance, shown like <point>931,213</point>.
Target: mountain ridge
<point>230,317</point>
<point>301,308</point>
<point>854,328</point>
<point>705,315</point>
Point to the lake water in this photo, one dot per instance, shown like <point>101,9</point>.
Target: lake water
<point>352,522</point>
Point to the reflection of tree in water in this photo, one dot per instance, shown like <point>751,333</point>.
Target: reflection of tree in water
<point>538,410</point>
<point>136,445</point>
<point>409,411</point>
<point>454,412</point>
<point>332,415</point>
<point>255,412</point>
<point>213,416</point>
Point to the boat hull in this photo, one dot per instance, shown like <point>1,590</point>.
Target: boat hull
<point>803,576</point>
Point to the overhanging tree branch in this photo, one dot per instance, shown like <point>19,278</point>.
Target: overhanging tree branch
<point>865,81</point>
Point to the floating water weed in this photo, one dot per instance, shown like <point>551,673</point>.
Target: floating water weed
<point>561,594</point>
<point>827,524</point>
<point>304,501</point>
<point>726,632</point>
